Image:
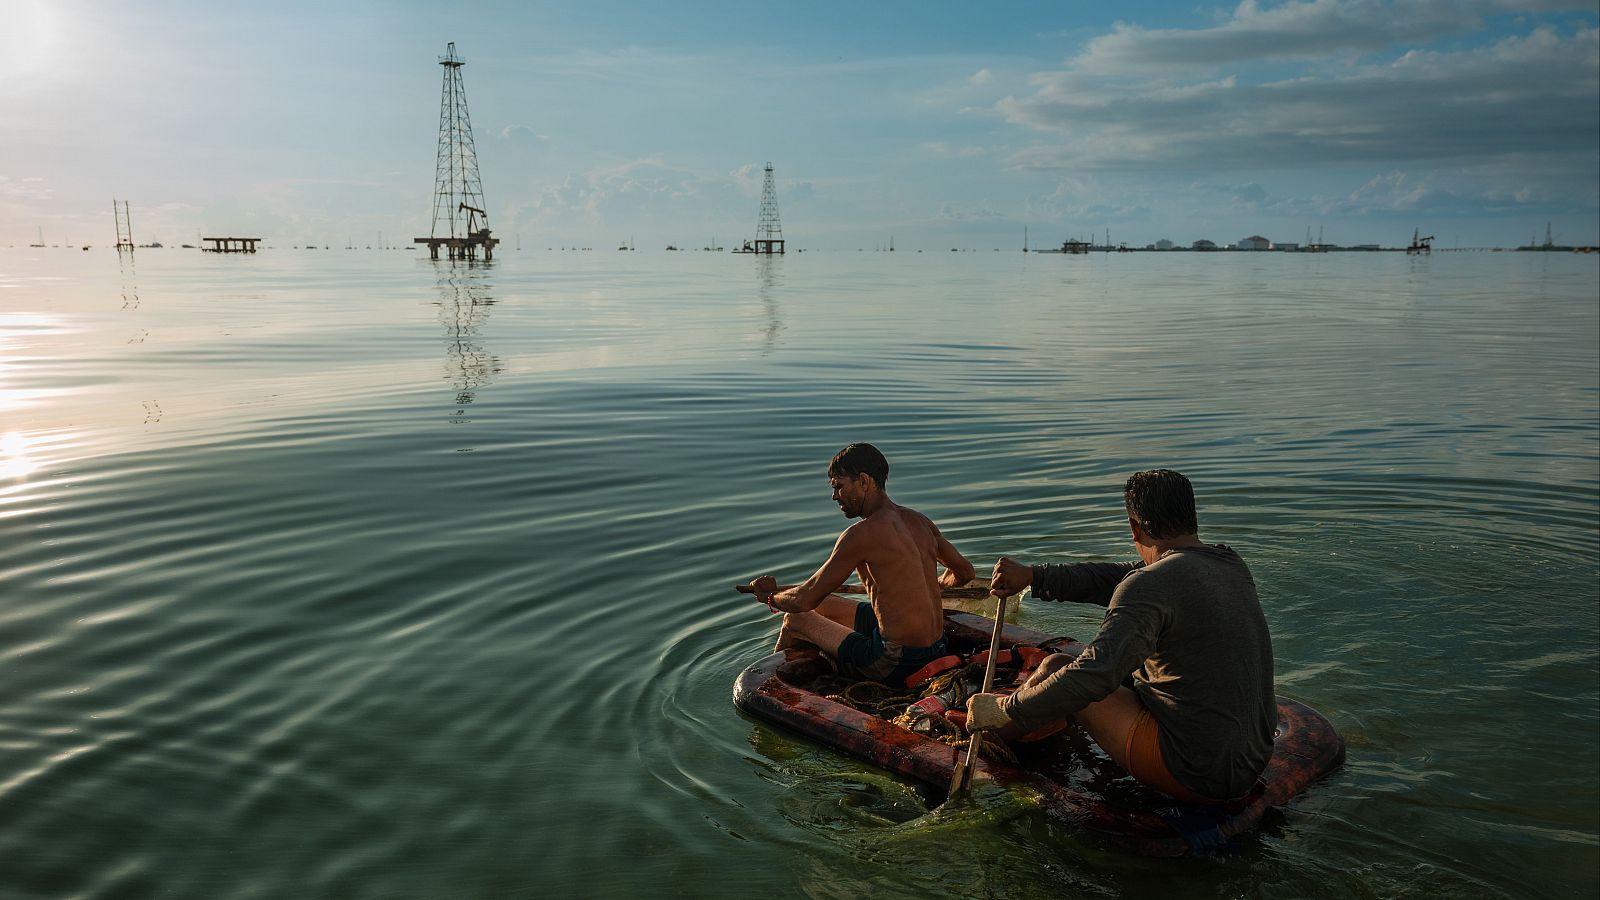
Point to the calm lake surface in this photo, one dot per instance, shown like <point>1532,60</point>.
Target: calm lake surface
<point>349,574</point>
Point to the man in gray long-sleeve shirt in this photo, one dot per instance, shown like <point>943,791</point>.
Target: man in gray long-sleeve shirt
<point>1198,721</point>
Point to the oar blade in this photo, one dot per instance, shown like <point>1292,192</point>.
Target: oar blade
<point>961,778</point>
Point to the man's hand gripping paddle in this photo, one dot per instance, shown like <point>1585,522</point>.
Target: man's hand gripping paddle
<point>961,778</point>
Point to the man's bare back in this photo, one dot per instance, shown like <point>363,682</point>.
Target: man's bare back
<point>896,552</point>
<point>899,568</point>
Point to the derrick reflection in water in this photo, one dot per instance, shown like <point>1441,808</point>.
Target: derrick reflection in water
<point>769,280</point>
<point>464,303</point>
<point>131,304</point>
<point>130,279</point>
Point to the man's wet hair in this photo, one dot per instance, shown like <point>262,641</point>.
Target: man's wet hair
<point>1162,502</point>
<point>860,459</point>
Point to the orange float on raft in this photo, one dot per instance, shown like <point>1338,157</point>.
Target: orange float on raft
<point>777,689</point>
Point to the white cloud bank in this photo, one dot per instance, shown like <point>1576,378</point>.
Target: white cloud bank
<point>1296,30</point>
<point>1532,96</point>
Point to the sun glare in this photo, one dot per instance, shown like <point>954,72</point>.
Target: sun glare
<point>31,33</point>
<point>15,463</point>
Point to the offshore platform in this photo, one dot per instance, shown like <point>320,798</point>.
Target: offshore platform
<point>769,231</point>
<point>1420,246</point>
<point>1551,245</point>
<point>460,225</point>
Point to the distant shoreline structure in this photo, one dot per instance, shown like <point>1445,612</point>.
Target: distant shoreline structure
<point>1324,248</point>
<point>769,241</point>
<point>1087,250</point>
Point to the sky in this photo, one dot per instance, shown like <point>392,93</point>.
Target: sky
<point>932,124</point>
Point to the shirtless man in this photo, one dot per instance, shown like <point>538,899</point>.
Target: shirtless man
<point>896,551</point>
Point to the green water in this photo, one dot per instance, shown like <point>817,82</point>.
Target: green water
<point>347,574</point>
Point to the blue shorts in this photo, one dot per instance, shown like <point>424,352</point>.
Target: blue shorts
<point>867,654</point>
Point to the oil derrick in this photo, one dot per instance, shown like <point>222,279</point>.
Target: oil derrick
<point>459,223</point>
<point>119,211</point>
<point>1420,246</point>
<point>769,231</point>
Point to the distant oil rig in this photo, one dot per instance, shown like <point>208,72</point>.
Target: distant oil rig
<point>119,211</point>
<point>1550,246</point>
<point>460,224</point>
<point>769,231</point>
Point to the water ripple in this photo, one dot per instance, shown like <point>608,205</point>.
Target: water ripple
<point>354,579</point>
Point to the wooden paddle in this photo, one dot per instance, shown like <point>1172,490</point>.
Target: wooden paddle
<point>949,593</point>
<point>961,778</point>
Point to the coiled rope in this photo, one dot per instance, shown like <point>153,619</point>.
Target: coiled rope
<point>893,704</point>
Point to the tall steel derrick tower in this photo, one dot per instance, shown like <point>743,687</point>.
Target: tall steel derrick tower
<point>460,224</point>
<point>769,231</point>
<point>119,210</point>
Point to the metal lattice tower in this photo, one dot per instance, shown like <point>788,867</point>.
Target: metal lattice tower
<point>119,210</point>
<point>769,231</point>
<point>459,221</point>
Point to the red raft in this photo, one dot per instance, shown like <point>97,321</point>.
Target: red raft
<point>777,689</point>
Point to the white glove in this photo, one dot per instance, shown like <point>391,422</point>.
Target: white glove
<point>984,713</point>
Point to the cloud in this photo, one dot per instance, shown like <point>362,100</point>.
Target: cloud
<point>1296,30</point>
<point>648,196</point>
<point>940,148</point>
<point>1249,197</point>
<point>1402,192</point>
<point>32,188</point>
<point>646,192</point>
<point>1077,202</point>
<point>946,85</point>
<point>1396,192</point>
<point>524,138</point>
<point>1527,97</point>
<point>961,213</point>
<point>749,178</point>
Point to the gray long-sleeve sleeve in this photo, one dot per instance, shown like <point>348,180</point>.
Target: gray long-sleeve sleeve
<point>1080,582</point>
<point>1126,637</point>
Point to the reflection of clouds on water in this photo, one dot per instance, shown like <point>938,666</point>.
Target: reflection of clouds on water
<point>769,279</point>
<point>464,303</point>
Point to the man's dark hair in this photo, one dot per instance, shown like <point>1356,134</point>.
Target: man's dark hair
<point>860,459</point>
<point>1162,502</point>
